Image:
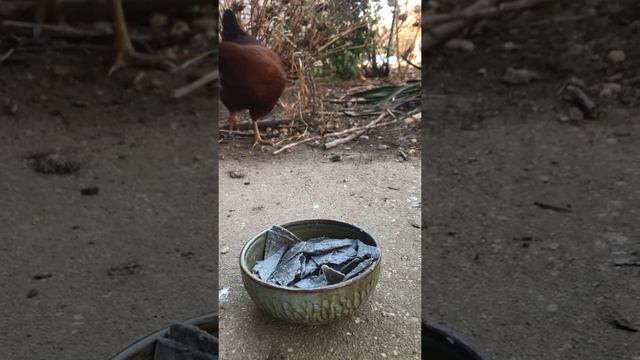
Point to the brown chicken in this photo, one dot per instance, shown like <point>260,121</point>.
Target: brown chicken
<point>126,55</point>
<point>251,75</point>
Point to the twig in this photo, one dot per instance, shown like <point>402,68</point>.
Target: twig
<point>201,82</point>
<point>295,144</point>
<point>410,63</point>
<point>355,135</point>
<point>194,60</point>
<point>552,207</point>
<point>358,128</point>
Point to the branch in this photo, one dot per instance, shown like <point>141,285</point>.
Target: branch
<point>201,82</point>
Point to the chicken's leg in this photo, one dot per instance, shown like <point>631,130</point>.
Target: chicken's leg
<point>257,139</point>
<point>126,55</point>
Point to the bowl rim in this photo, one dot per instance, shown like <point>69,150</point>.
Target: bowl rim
<point>339,285</point>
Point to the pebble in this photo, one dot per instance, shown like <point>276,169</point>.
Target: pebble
<point>554,246</point>
<point>610,90</point>
<point>509,46</point>
<point>224,250</point>
<point>519,76</point>
<point>617,56</point>
<point>552,308</point>
<point>290,350</point>
<point>461,44</point>
<point>383,355</point>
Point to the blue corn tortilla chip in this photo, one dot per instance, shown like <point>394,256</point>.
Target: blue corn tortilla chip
<point>332,276</point>
<point>278,237</point>
<point>358,269</point>
<point>368,251</point>
<point>336,257</point>
<point>286,272</point>
<point>312,282</point>
<point>264,268</point>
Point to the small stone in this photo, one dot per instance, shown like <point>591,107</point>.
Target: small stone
<point>460,44</point>
<point>90,191</point>
<point>290,350</point>
<point>383,355</point>
<point>617,56</point>
<point>349,333</point>
<point>610,90</point>
<point>41,276</point>
<point>482,72</point>
<point>236,175</point>
<point>519,76</point>
<point>224,250</point>
<point>552,308</point>
<point>32,293</point>
<point>383,147</point>
<point>554,246</point>
<point>509,46</point>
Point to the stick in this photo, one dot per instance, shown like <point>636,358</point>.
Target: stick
<point>355,135</point>
<point>267,123</point>
<point>484,13</point>
<point>201,82</point>
<point>194,60</point>
<point>295,144</point>
<point>358,128</point>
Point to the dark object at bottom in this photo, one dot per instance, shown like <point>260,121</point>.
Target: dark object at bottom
<point>146,348</point>
<point>437,344</point>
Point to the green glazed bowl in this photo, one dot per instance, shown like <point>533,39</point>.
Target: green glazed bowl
<point>309,306</point>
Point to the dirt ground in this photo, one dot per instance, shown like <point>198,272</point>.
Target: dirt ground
<point>82,276</point>
<point>517,280</point>
<point>368,188</point>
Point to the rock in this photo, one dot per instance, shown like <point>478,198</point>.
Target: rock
<point>90,191</point>
<point>574,80</point>
<point>224,250</point>
<point>510,46</point>
<point>617,56</point>
<point>610,90</point>
<point>236,175</point>
<point>335,158</point>
<point>460,44</point>
<point>519,76</point>
<point>41,276</point>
